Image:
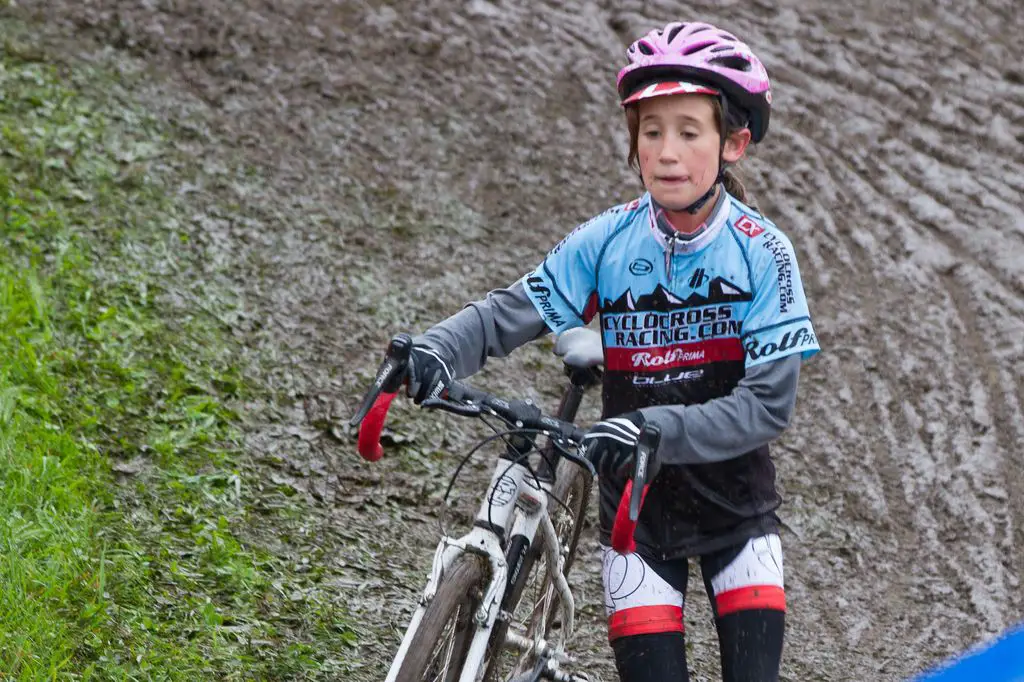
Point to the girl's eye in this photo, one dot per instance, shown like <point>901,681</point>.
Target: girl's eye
<point>690,135</point>
<point>651,134</point>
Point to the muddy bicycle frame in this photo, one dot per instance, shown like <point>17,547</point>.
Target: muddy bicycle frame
<point>499,535</point>
<point>512,486</point>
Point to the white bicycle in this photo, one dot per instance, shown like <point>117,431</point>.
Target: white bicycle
<point>497,604</point>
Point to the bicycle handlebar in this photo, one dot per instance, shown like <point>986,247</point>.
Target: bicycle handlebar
<point>374,411</point>
<point>521,413</point>
<point>629,505</point>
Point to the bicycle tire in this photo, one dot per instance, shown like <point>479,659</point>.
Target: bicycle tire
<point>572,488</point>
<point>455,602</point>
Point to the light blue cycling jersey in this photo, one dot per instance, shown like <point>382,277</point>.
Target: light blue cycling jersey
<point>704,335</point>
<point>677,312</point>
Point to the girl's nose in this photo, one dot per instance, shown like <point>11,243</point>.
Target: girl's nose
<point>669,153</point>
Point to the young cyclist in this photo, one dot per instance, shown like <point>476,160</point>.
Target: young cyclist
<point>704,325</point>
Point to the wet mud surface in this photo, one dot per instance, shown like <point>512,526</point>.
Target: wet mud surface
<point>368,167</point>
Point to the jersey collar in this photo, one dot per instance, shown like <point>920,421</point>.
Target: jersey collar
<point>672,241</point>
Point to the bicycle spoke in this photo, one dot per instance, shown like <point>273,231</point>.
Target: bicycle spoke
<point>445,650</point>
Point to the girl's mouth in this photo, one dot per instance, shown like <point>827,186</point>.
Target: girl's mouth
<point>672,179</point>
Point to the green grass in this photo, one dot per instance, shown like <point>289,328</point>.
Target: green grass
<point>123,511</point>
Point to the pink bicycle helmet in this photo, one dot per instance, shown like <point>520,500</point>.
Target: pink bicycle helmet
<point>704,58</point>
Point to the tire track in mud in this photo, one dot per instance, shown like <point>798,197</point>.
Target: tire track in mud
<point>968,324</point>
<point>985,575</point>
<point>956,574</point>
<point>452,135</point>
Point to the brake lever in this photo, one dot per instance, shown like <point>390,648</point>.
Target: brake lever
<point>581,461</point>
<point>390,374</point>
<point>646,447</point>
<point>577,459</point>
<point>461,409</point>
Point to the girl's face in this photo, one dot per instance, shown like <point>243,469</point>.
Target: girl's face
<point>678,148</point>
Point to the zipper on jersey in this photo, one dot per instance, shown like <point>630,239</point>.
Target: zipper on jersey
<point>670,252</point>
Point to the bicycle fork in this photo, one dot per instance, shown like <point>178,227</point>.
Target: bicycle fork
<point>485,539</point>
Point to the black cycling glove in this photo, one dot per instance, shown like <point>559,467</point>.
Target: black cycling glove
<point>429,374</point>
<point>611,444</point>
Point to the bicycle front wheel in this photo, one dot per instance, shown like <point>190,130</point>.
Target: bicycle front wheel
<point>532,607</point>
<point>438,651</point>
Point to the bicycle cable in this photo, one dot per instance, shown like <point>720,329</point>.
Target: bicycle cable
<point>504,436</point>
<point>556,443</point>
<point>552,466</point>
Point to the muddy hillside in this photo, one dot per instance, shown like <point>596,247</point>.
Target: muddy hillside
<point>387,161</point>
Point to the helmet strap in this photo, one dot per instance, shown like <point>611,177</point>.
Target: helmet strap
<point>706,197</point>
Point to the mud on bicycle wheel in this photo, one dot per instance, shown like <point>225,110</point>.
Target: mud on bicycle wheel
<point>442,641</point>
<point>541,610</point>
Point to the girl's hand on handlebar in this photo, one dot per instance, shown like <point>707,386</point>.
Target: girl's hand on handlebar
<point>428,374</point>
<point>611,445</point>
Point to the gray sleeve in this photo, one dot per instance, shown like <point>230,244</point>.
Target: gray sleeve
<point>504,320</point>
<point>756,412</point>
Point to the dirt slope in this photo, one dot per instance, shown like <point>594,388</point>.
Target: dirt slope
<point>389,162</point>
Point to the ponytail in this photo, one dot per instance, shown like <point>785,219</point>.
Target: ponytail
<point>730,120</point>
<point>734,186</point>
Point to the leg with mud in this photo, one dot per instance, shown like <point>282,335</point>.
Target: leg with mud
<point>660,656</point>
<point>751,645</point>
<point>750,611</point>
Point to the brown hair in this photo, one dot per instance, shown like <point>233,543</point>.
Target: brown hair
<point>727,125</point>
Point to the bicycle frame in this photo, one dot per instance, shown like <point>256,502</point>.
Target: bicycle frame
<point>485,540</point>
<point>513,486</point>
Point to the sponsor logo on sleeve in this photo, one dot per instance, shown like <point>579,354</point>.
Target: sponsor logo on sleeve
<point>542,295</point>
<point>748,227</point>
<point>784,266</point>
<point>801,338</point>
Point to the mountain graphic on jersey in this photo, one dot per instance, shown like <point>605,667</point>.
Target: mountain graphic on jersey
<point>719,291</point>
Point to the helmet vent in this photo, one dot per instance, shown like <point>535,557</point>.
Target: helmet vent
<point>674,32</point>
<point>698,47</point>
<point>645,47</point>
<point>737,63</point>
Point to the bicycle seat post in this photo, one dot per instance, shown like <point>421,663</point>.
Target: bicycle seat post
<point>582,353</point>
<point>580,379</point>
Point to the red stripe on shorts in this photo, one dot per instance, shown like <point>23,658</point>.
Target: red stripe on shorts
<point>645,620</point>
<point>750,598</point>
